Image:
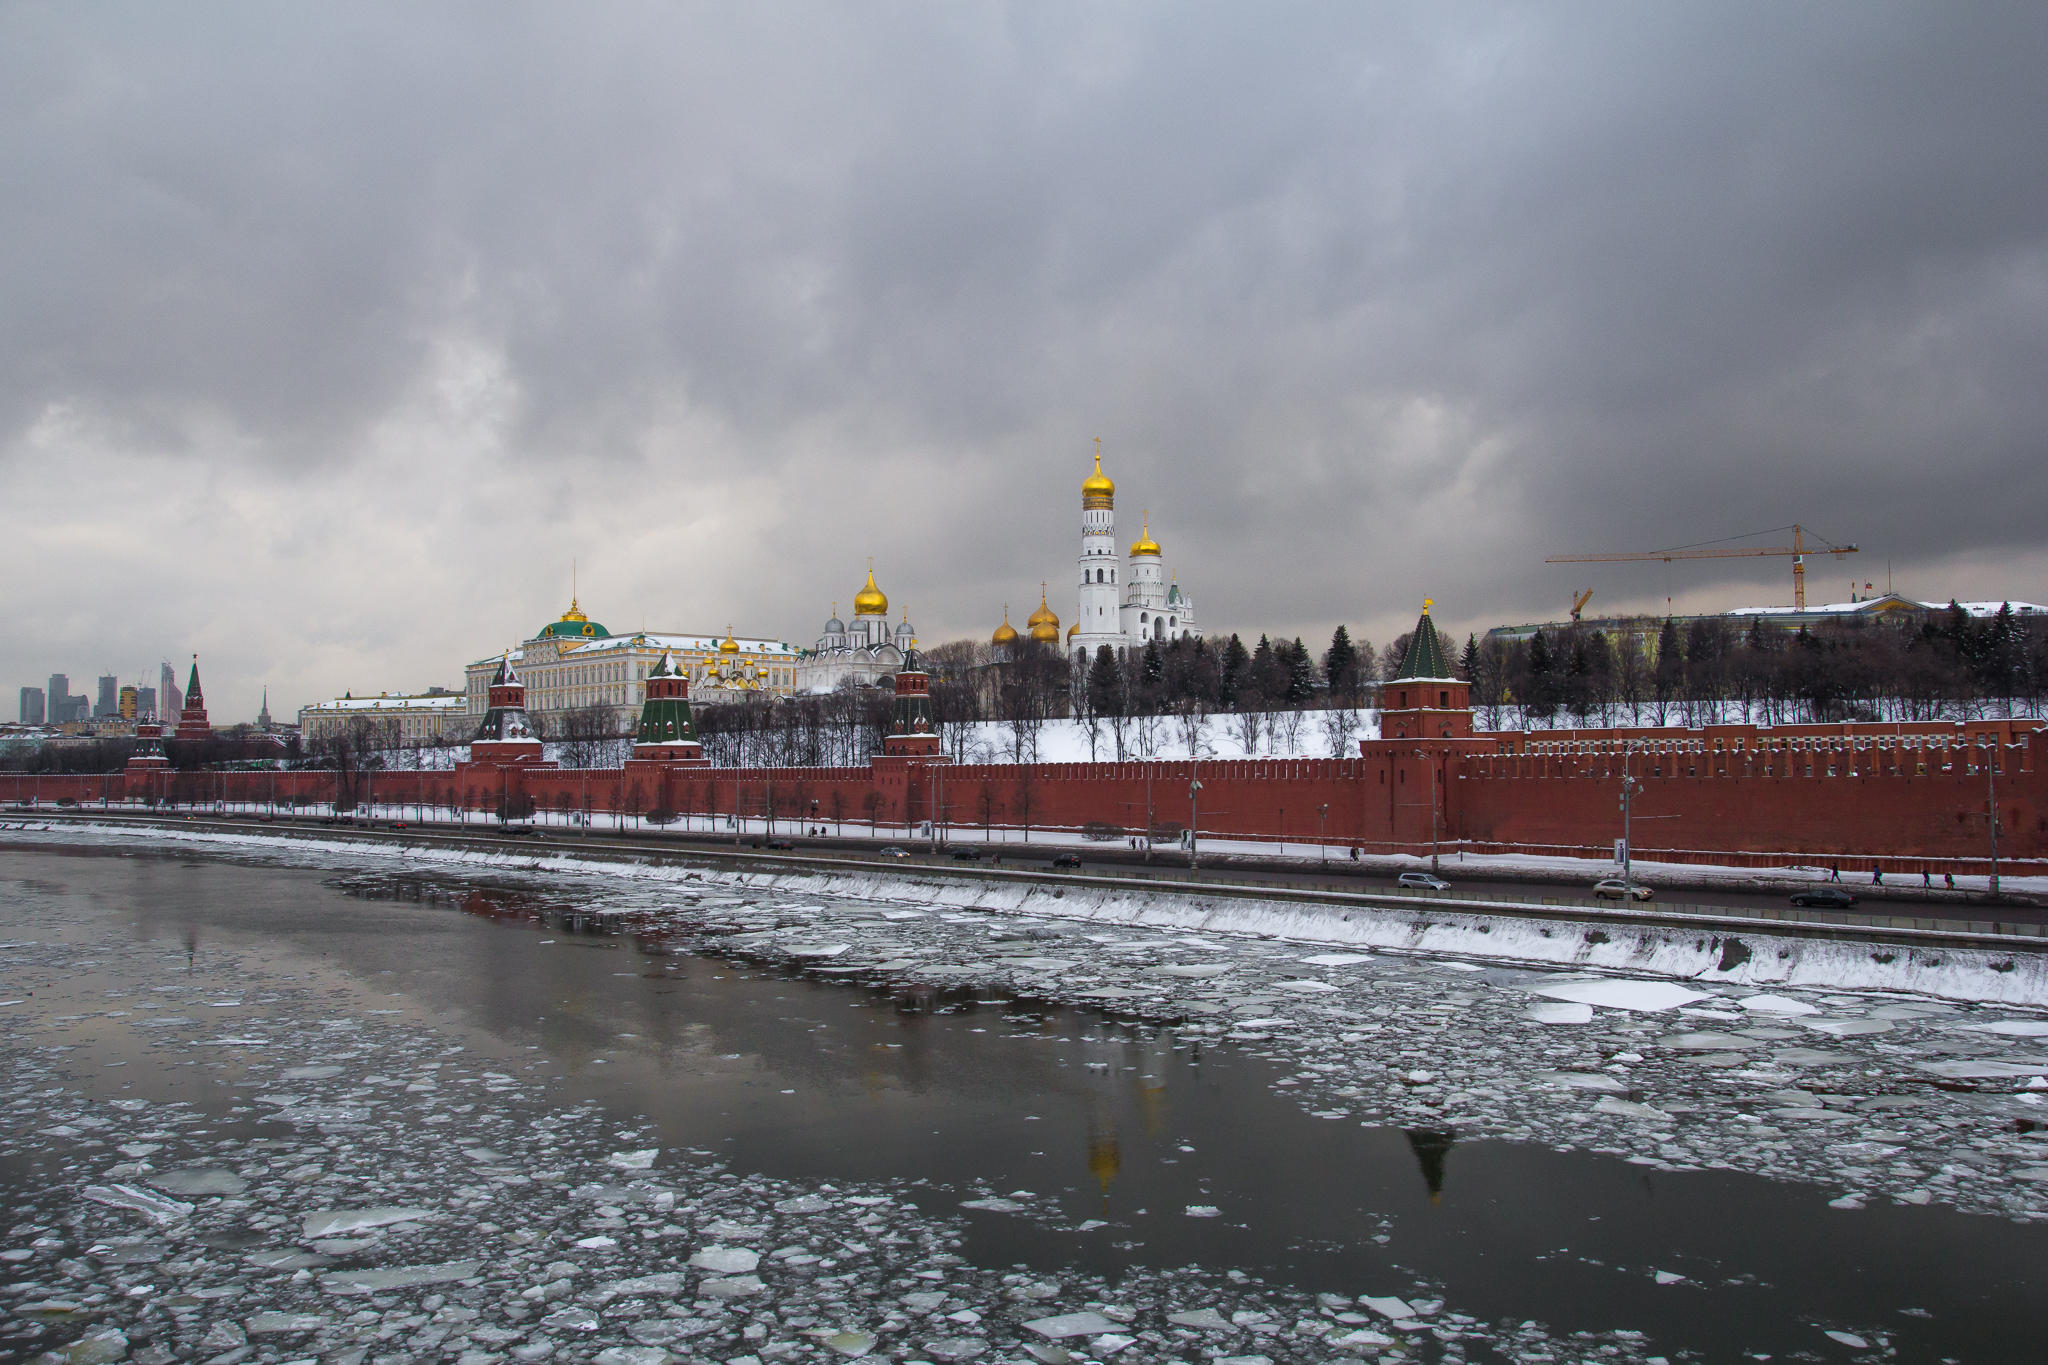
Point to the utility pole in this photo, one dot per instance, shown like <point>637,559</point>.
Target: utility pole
<point>1434,848</point>
<point>1629,787</point>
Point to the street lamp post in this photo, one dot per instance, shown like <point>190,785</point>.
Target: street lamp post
<point>1194,817</point>
<point>1322,849</point>
<point>1434,849</point>
<point>1991,778</point>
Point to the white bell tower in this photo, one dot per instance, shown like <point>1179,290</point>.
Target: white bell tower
<point>1097,619</point>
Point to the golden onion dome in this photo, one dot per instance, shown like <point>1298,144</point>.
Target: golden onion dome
<point>1097,490</point>
<point>728,645</point>
<point>1073,630</point>
<point>575,612</point>
<point>871,600</point>
<point>1145,545</point>
<point>1045,625</point>
<point>1006,634</point>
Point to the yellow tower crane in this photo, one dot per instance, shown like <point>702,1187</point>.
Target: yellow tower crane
<point>1720,549</point>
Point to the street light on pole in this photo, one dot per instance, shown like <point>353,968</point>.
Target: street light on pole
<point>1434,850</point>
<point>1194,821</point>
<point>1322,849</point>
<point>1991,778</point>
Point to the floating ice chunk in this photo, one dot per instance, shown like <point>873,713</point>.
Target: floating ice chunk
<point>725,1260</point>
<point>803,1203</point>
<point>1193,971</point>
<point>1581,1080</point>
<point>993,1205</point>
<point>2035,1173</point>
<point>1305,986</point>
<point>665,1282</point>
<point>1112,993</point>
<point>263,1323</point>
<point>1847,1201</point>
<point>399,1277</point>
<point>193,1181</point>
<point>1559,1012</point>
<point>285,1260</point>
<point>633,1355</point>
<point>1337,959</point>
<point>817,950</point>
<point>1202,1320</point>
<point>1616,993</point>
<point>1071,1325</point>
<point>1846,1338</point>
<point>1983,1070</point>
<point>1393,1309</point>
<point>1706,1042</point>
<point>732,1287</point>
<point>154,1207</point>
<point>1362,1336</point>
<point>855,1344</point>
<point>1848,1028</point>
<point>1204,1211</point>
<point>1809,1056</point>
<point>328,1222</point>
<point>310,1073</point>
<point>2017,1028</point>
<point>571,1319</point>
<point>1669,1277</point>
<point>597,1243</point>
<point>95,1348</point>
<point>1041,964</point>
<point>1629,1109</point>
<point>1776,1004</point>
<point>633,1161</point>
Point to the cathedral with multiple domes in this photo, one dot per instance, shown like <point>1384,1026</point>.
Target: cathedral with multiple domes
<point>1123,602</point>
<point>865,653</point>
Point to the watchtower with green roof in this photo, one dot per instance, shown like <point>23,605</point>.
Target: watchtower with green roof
<point>666,730</point>
<point>1426,699</point>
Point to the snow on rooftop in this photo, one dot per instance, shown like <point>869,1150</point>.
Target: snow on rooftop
<point>449,702</point>
<point>1872,604</point>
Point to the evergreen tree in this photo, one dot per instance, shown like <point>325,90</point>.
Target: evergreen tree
<point>1340,664</point>
<point>1668,679</point>
<point>1233,673</point>
<point>1301,676</point>
<point>1105,683</point>
<point>1468,662</point>
<point>1539,697</point>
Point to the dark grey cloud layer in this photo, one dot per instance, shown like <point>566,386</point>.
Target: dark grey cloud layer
<point>1364,301</point>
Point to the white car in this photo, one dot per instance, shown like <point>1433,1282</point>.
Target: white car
<point>1614,889</point>
<point>1422,881</point>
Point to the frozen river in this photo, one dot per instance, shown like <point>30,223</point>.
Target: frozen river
<point>306,1104</point>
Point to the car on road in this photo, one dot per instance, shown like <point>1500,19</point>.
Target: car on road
<point>1824,898</point>
<point>1067,860</point>
<point>968,855</point>
<point>1423,881</point>
<point>1615,889</point>
<point>781,843</point>
<point>893,851</point>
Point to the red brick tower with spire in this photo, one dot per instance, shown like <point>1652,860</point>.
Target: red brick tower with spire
<point>192,722</point>
<point>507,736</point>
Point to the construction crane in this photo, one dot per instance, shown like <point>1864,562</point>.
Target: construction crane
<point>1579,600</point>
<point>1720,549</point>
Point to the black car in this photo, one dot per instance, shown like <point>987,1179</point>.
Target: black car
<point>1067,860</point>
<point>1824,898</point>
<point>968,854</point>
<point>781,843</point>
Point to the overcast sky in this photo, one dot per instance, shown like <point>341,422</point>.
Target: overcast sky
<point>331,334</point>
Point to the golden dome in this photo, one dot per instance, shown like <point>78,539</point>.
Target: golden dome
<point>1097,490</point>
<point>728,645</point>
<point>871,600</point>
<point>575,612</point>
<point>1145,545</point>
<point>1045,625</point>
<point>1006,634</point>
<point>1073,630</point>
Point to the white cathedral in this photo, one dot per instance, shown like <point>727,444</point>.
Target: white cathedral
<point>1123,603</point>
<point>865,653</point>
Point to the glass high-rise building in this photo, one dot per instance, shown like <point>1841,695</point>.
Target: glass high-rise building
<point>31,706</point>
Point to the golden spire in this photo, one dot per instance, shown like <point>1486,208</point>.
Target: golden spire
<point>871,600</point>
<point>1145,545</point>
<point>1427,603</point>
<point>1097,490</point>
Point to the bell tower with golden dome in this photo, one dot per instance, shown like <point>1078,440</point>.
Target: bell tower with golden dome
<point>1098,619</point>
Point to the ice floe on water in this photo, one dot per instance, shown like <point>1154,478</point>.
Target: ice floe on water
<point>408,1202</point>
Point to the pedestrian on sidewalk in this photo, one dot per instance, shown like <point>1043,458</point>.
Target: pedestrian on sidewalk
<point>1926,878</point>
<point>1950,878</point>
<point>1835,873</point>
<point>1876,875</point>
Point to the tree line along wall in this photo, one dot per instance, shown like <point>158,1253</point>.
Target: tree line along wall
<point>1845,803</point>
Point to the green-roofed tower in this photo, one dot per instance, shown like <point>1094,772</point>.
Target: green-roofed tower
<point>1426,699</point>
<point>666,730</point>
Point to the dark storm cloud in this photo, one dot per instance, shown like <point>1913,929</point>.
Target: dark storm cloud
<point>1366,301</point>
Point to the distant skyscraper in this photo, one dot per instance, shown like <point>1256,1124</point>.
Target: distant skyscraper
<point>145,703</point>
<point>130,702</point>
<point>169,700</point>
<point>110,697</point>
<point>31,706</point>
<point>57,701</point>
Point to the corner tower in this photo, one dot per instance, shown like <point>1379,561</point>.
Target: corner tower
<point>192,721</point>
<point>507,735</point>
<point>666,731</point>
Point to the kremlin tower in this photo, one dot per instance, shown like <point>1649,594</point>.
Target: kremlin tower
<point>913,734</point>
<point>192,722</point>
<point>1426,699</point>
<point>507,736</point>
<point>666,733</point>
